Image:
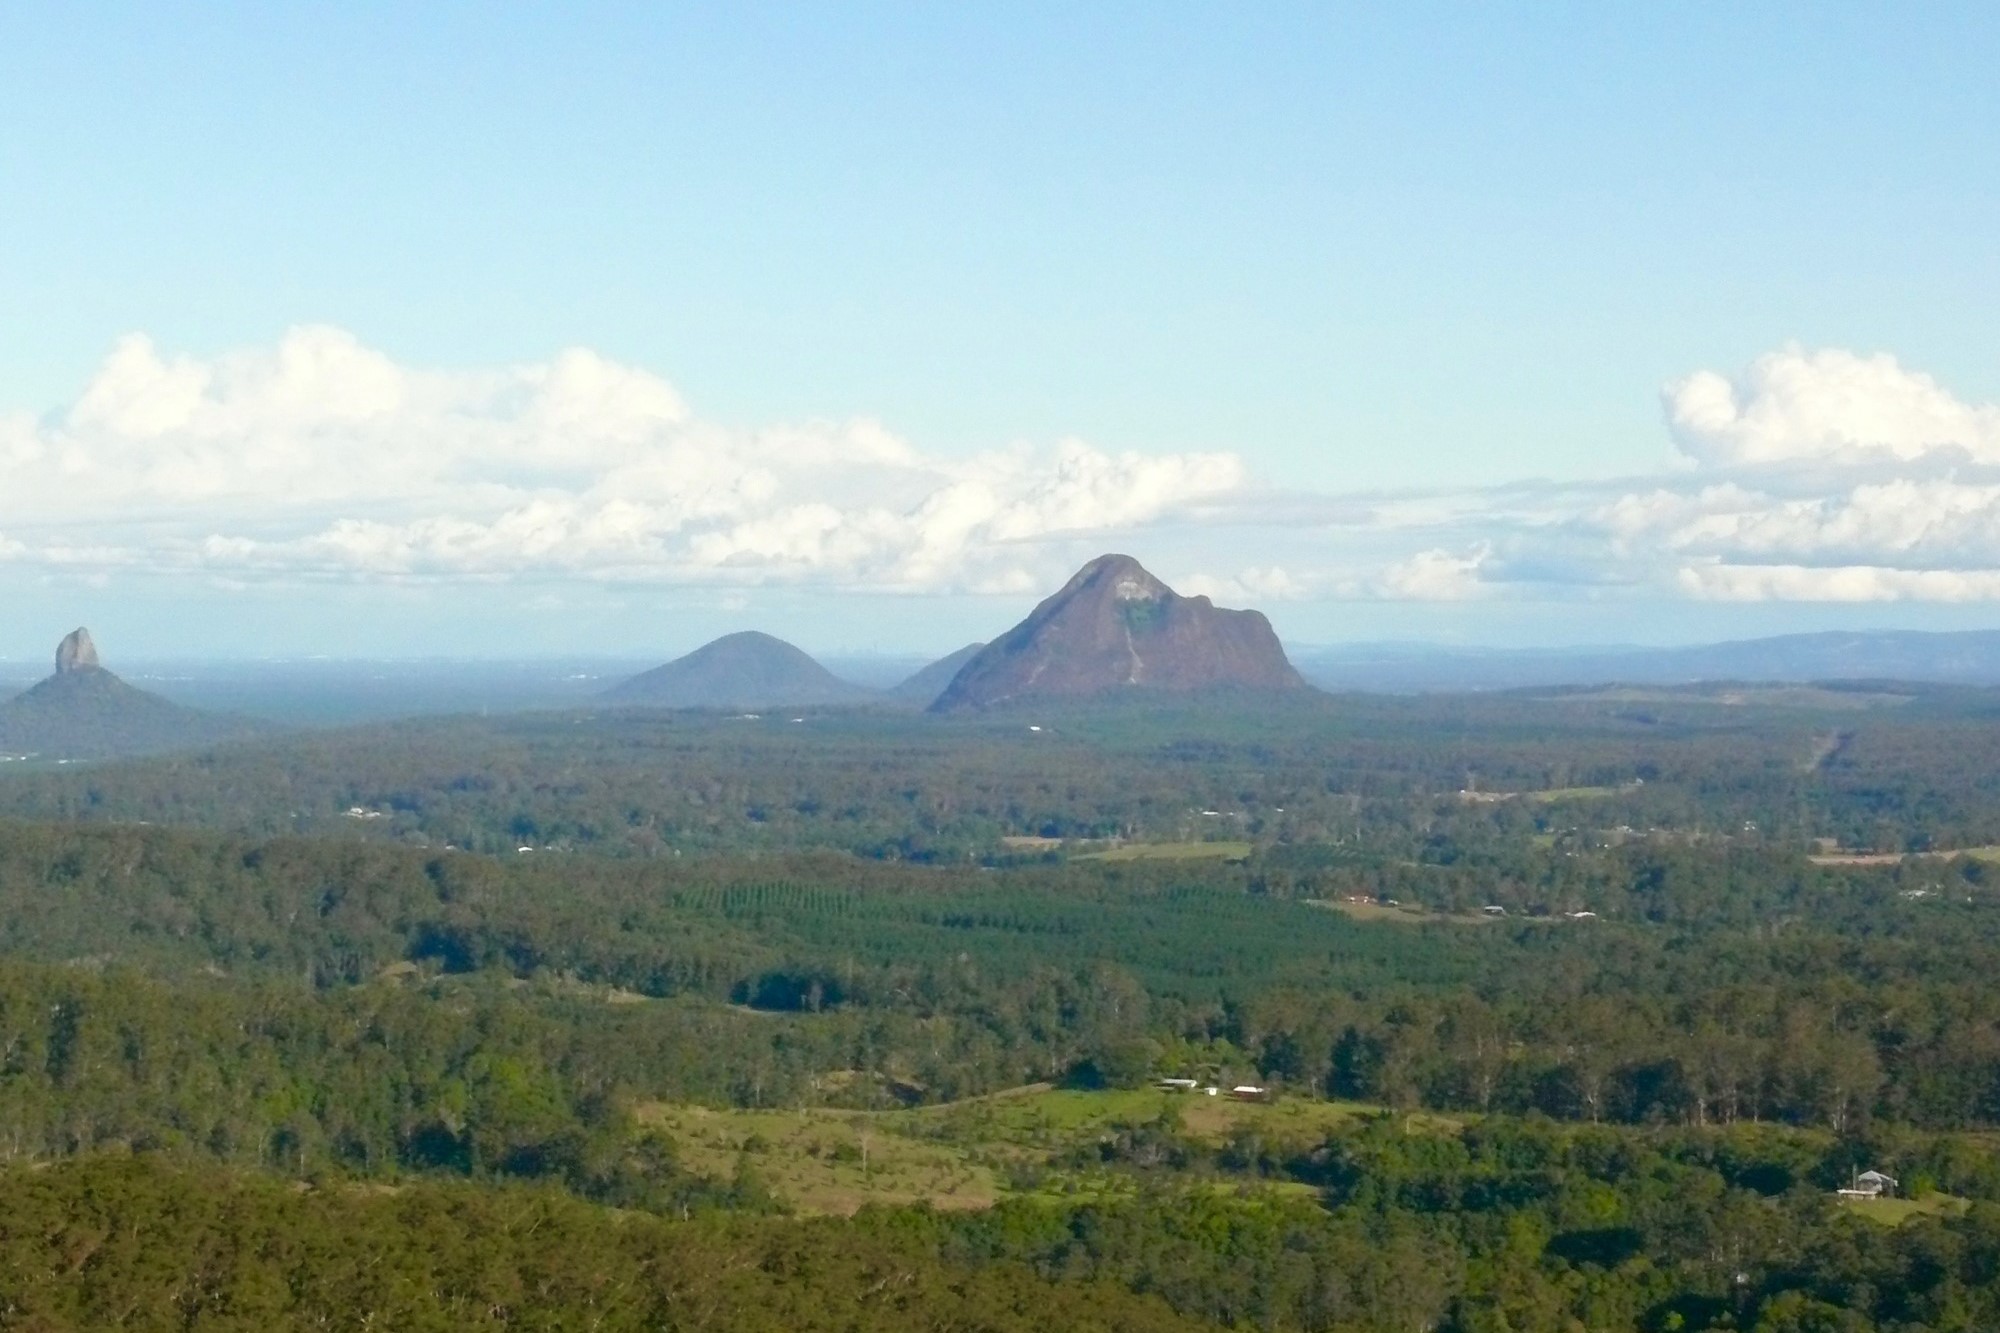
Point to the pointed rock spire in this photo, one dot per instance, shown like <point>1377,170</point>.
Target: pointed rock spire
<point>76,653</point>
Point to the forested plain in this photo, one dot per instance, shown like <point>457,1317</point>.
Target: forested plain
<point>1594,997</point>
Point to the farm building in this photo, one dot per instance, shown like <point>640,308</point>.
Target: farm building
<point>1870,1185</point>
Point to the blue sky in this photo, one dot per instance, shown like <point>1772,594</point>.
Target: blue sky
<point>867,322</point>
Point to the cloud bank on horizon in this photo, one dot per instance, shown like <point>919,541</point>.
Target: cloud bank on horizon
<point>1811,476</point>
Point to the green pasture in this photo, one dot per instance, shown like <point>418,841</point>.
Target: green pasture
<point>969,1154</point>
<point>1895,1212</point>
<point>1403,914</point>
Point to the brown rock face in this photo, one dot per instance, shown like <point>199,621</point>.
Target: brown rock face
<point>76,653</point>
<point>1115,627</point>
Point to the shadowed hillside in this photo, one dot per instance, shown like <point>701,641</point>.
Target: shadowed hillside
<point>923,688</point>
<point>85,712</point>
<point>747,670</point>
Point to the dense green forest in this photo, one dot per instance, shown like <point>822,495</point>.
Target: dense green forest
<point>1580,1023</point>
<point>1888,768</point>
<point>134,1244</point>
<point>1821,995</point>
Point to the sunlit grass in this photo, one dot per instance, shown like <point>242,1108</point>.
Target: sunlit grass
<point>970,1154</point>
<point>1895,1212</point>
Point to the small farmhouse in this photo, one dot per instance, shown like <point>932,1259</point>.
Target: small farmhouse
<point>1870,1185</point>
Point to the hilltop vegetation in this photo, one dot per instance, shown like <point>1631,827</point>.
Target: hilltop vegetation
<point>139,1244</point>
<point>1502,1226</point>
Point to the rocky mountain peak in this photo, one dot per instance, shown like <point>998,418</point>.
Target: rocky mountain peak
<point>1125,578</point>
<point>76,653</point>
<point>1114,626</point>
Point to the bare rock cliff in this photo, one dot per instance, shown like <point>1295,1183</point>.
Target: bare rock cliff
<point>75,653</point>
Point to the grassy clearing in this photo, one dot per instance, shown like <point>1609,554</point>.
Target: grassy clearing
<point>1173,851</point>
<point>1025,842</point>
<point>965,1154</point>
<point>1548,796</point>
<point>1989,853</point>
<point>1404,914</point>
<point>1895,1212</point>
<point>1041,1121</point>
<point>1554,794</point>
<point>1293,1122</point>
<point>827,1161</point>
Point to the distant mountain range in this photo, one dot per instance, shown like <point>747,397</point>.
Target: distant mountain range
<point>1112,630</point>
<point>85,712</point>
<point>1970,657</point>
<point>1115,628</point>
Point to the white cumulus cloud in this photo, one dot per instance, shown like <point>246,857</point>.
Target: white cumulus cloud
<point>321,456</point>
<point>1821,475</point>
<point>1817,476</point>
<point>1265,583</point>
<point>1793,405</point>
<point>1437,575</point>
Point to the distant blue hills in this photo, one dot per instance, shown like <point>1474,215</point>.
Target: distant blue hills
<point>332,692</point>
<point>1966,657</point>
